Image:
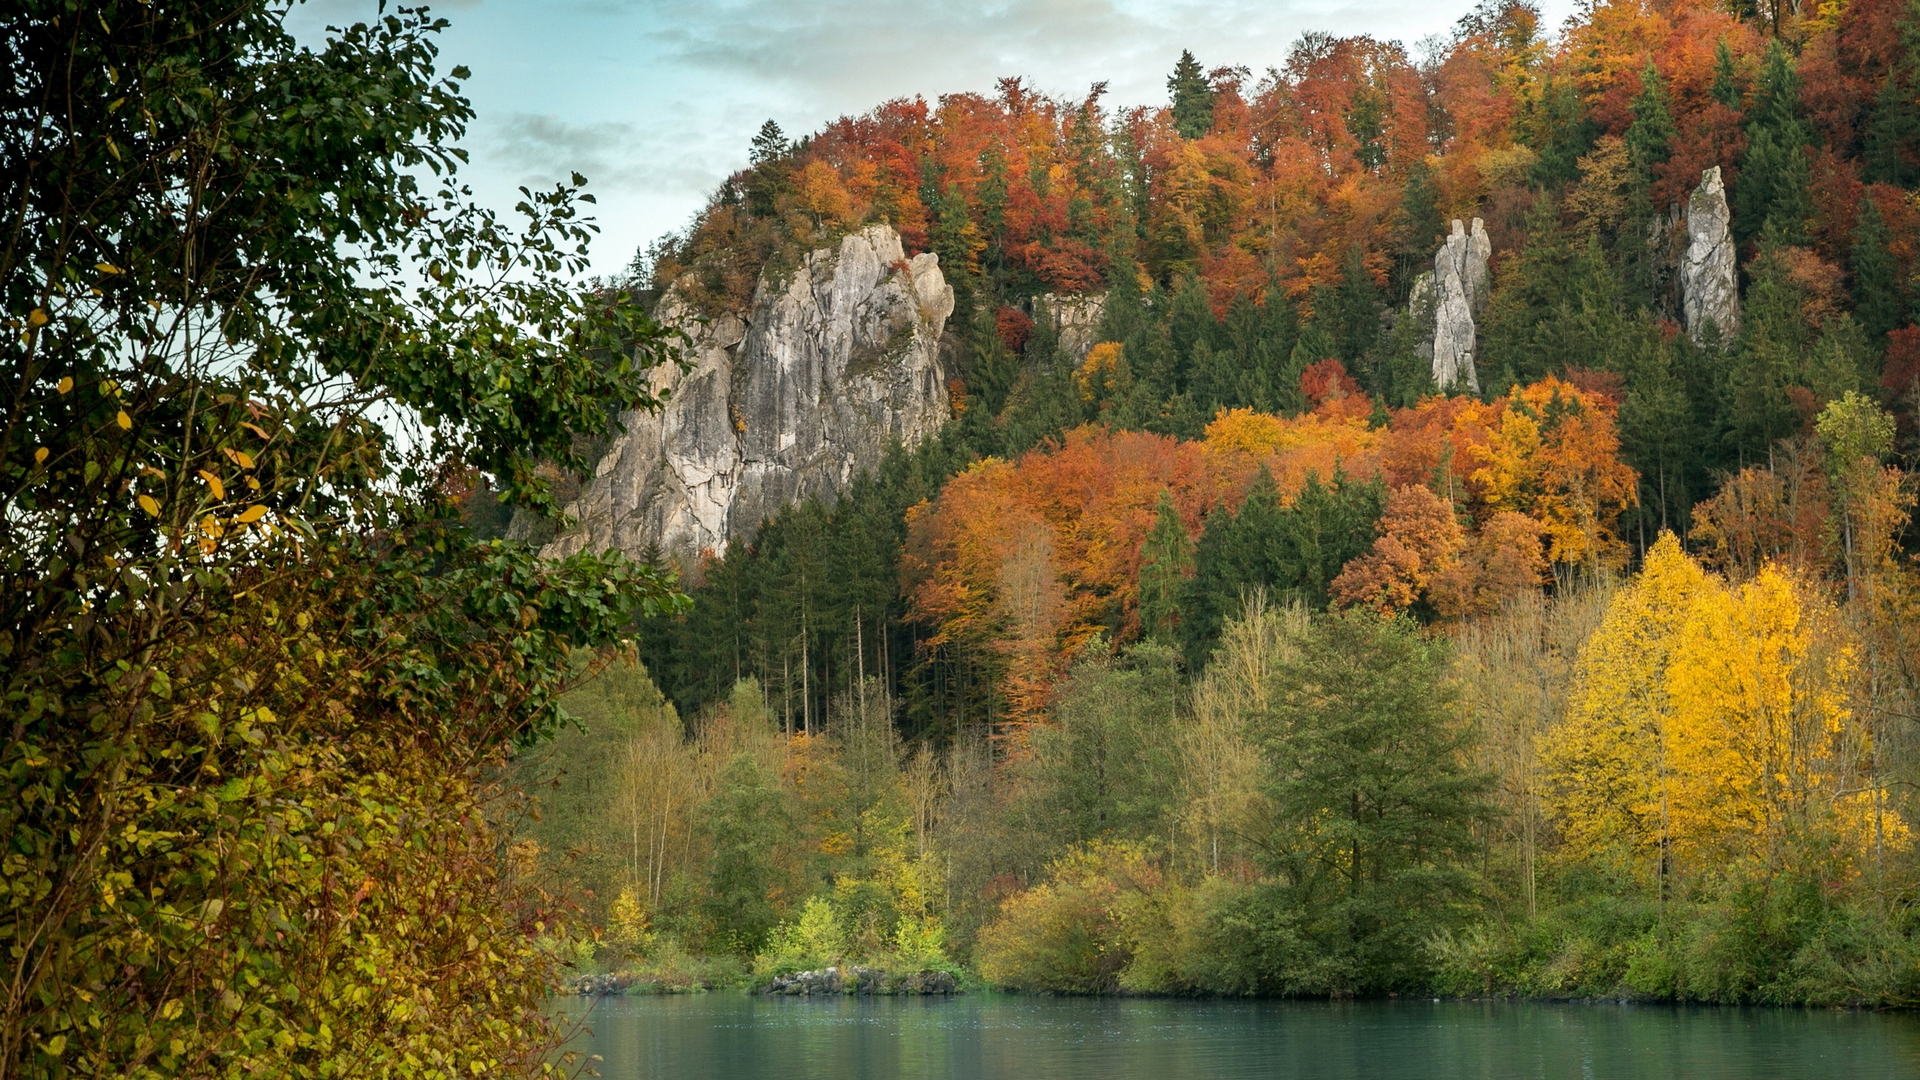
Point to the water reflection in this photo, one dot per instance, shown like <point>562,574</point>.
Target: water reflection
<point>729,1036</point>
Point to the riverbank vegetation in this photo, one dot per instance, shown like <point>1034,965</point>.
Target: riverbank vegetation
<point>1225,655</point>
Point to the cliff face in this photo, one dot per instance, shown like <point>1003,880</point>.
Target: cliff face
<point>1709,281</point>
<point>833,361</point>
<point>1453,297</point>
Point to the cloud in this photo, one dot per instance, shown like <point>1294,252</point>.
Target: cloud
<point>614,156</point>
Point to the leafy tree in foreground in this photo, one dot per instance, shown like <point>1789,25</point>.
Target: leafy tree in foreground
<point>255,678</point>
<point>1374,811</point>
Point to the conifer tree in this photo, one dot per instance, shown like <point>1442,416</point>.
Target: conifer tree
<point>1292,552</point>
<point>1726,88</point>
<point>1373,806</point>
<point>1192,97</point>
<point>1775,183</point>
<point>1166,560</point>
<point>1650,137</point>
<point>769,144</point>
<point>1877,303</point>
<point>1417,227</point>
<point>1892,135</point>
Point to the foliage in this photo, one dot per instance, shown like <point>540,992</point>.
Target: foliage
<point>259,680</point>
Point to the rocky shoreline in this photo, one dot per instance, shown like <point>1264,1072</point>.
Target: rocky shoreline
<point>854,980</point>
<point>860,980</point>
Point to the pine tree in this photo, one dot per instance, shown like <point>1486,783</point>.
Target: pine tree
<point>1891,150</point>
<point>1726,88</point>
<point>1354,315</point>
<point>1192,97</point>
<point>1774,187</point>
<point>958,243</point>
<point>770,144</point>
<point>1292,552</point>
<point>1417,227</point>
<point>1166,560</point>
<point>1877,303</point>
<point>1650,137</point>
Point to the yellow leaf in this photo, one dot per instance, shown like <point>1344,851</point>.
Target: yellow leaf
<point>108,268</point>
<point>125,421</point>
<point>251,514</point>
<point>57,1045</point>
<point>219,489</point>
<point>152,508</point>
<point>255,429</point>
<point>36,317</point>
<point>40,456</point>
<point>239,457</point>
<point>66,385</point>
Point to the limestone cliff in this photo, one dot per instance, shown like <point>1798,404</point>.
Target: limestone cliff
<point>1075,319</point>
<point>1457,294</point>
<point>1709,287</point>
<point>833,361</point>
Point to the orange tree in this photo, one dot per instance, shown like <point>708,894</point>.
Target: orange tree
<point>255,676</point>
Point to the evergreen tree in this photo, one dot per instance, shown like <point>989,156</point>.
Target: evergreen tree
<point>1262,340</point>
<point>1650,137</point>
<point>1774,188</point>
<point>958,243</point>
<point>1556,125</point>
<point>1891,150</point>
<point>1877,303</point>
<point>1192,97</point>
<point>1726,88</point>
<point>1292,552</point>
<point>1353,310</point>
<point>1417,228</point>
<point>1374,809</point>
<point>991,367</point>
<point>1768,359</point>
<point>1166,561</point>
<point>769,144</point>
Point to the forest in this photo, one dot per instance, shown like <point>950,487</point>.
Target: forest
<point>1232,654</point>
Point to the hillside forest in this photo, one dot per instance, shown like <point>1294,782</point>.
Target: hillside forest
<point>1231,655</point>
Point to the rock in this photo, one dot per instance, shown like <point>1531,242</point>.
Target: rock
<point>835,360</point>
<point>1075,319</point>
<point>860,980</point>
<point>605,985</point>
<point>1458,294</point>
<point>1709,286</point>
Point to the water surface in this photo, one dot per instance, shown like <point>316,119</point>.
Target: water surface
<point>732,1036</point>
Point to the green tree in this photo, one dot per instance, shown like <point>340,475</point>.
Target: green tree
<point>1877,302</point>
<point>1103,768</point>
<point>1166,561</point>
<point>748,822</point>
<point>1373,805</point>
<point>1650,137</point>
<point>1727,88</point>
<point>1774,188</point>
<point>1891,138</point>
<point>1192,97</point>
<point>1292,552</point>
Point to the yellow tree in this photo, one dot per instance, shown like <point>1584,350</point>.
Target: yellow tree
<point>1763,749</point>
<point>1711,726</point>
<point>1607,766</point>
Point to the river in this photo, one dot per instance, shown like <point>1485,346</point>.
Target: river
<point>732,1036</point>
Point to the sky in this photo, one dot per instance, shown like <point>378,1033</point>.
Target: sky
<point>654,101</point>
